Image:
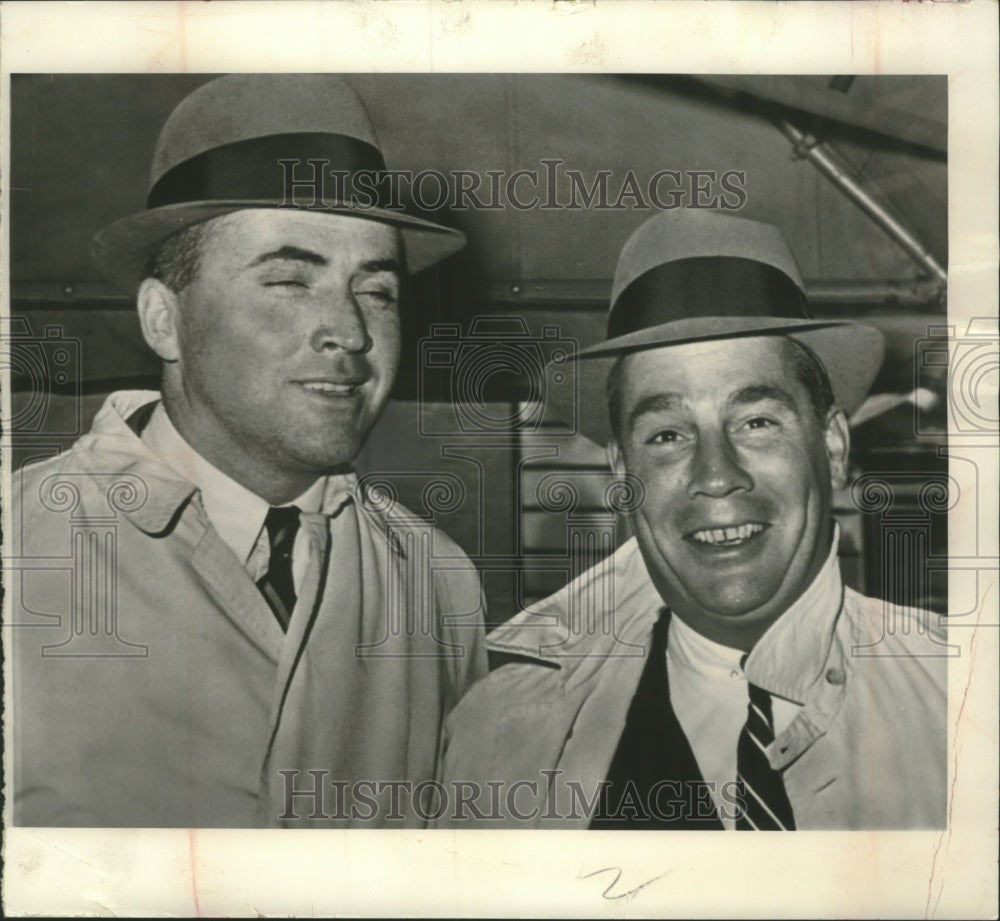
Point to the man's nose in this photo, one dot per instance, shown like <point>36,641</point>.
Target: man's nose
<point>341,325</point>
<point>717,470</point>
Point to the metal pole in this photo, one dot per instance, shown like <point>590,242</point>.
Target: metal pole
<point>826,161</point>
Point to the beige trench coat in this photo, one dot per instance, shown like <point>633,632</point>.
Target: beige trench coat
<point>152,685</point>
<point>866,751</point>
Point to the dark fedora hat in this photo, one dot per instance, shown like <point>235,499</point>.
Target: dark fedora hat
<point>686,276</point>
<point>220,151</point>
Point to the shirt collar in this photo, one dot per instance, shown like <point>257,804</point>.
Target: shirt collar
<point>236,513</point>
<point>692,651</point>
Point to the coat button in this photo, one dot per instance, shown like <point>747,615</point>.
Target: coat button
<point>835,676</point>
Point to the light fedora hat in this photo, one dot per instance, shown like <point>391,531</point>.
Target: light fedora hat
<point>219,152</point>
<point>686,276</point>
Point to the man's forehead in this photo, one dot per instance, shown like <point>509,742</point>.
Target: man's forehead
<point>271,229</point>
<point>719,367</point>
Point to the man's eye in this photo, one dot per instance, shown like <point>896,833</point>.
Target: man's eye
<point>760,422</point>
<point>377,296</point>
<point>285,283</point>
<point>663,437</point>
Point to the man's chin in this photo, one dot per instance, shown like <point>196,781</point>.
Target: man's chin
<point>732,625</point>
<point>729,603</point>
<point>326,459</point>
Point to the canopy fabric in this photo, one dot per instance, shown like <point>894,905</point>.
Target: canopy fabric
<point>82,144</point>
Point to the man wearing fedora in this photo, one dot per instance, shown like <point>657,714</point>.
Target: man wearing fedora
<point>267,639</point>
<point>732,680</point>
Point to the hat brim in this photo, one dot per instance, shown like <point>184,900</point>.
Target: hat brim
<point>123,249</point>
<point>851,353</point>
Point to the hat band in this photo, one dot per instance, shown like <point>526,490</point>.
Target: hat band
<point>707,286</point>
<point>253,169</point>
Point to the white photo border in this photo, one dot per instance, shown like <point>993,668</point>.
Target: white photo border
<point>469,874</point>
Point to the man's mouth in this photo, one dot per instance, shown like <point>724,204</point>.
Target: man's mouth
<point>731,536</point>
<point>332,388</point>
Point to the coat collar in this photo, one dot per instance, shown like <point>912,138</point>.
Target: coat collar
<point>795,654</point>
<point>606,612</point>
<point>111,445</point>
<point>798,648</point>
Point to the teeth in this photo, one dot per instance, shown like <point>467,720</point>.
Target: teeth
<point>728,535</point>
<point>328,387</point>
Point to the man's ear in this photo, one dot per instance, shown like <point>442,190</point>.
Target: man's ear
<point>616,459</point>
<point>159,318</point>
<point>838,444</point>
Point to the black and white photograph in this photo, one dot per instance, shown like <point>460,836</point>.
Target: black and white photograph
<point>577,446</point>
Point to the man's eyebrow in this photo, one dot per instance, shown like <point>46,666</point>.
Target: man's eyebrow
<point>759,393</point>
<point>372,266</point>
<point>654,403</point>
<point>290,253</point>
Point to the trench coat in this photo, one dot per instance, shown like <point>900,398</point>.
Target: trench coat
<point>867,749</point>
<point>152,685</point>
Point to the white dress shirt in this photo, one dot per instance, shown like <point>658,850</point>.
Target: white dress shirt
<point>236,513</point>
<point>708,688</point>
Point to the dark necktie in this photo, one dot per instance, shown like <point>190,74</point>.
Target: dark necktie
<point>653,755</point>
<point>277,585</point>
<point>766,806</point>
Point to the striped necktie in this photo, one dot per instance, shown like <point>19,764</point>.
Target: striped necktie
<point>765,803</point>
<point>277,585</point>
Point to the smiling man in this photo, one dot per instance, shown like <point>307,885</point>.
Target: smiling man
<point>245,647</point>
<point>728,679</point>
<point>738,462</point>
